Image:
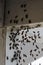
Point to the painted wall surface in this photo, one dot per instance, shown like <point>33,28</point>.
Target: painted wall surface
<point>24,46</point>
<point>2,48</point>
<point>25,10</point>
<point>1,12</point>
<point>37,62</point>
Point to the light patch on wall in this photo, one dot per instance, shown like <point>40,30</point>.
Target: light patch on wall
<point>37,62</point>
<point>23,46</point>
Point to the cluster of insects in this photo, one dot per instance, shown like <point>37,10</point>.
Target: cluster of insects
<point>23,39</point>
<point>22,19</point>
<point>19,39</point>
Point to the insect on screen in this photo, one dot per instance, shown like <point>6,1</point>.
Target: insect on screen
<point>24,46</point>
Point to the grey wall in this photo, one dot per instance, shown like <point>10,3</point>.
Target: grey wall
<point>1,12</point>
<point>34,10</point>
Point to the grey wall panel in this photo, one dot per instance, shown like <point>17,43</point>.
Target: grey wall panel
<point>33,8</point>
<point>1,12</point>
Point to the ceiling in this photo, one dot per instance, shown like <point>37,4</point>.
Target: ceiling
<point>21,11</point>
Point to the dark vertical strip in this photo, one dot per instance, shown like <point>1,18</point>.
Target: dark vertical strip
<point>4,12</point>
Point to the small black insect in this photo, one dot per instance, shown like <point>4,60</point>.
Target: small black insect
<point>39,37</point>
<point>26,32</point>
<point>13,44</point>
<point>23,60</point>
<point>10,48</point>
<point>12,35</point>
<point>14,51</point>
<point>22,37</point>
<point>34,36</point>
<point>21,5</point>
<point>39,64</point>
<point>30,51</point>
<point>23,43</point>
<point>34,40</point>
<point>14,55</point>
<point>37,47</point>
<point>10,38</point>
<point>20,57</point>
<point>24,28</point>
<point>8,12</point>
<point>18,33</point>
<point>17,39</point>
<point>38,25</point>
<point>24,55</point>
<point>21,19</point>
<point>38,34</point>
<point>16,21</point>
<point>33,43</point>
<point>17,48</point>
<point>7,57</point>
<point>38,51</point>
<point>10,44</point>
<point>26,16</point>
<point>22,32</point>
<point>36,54</point>
<point>29,36</point>
<point>18,51</point>
<point>34,58</point>
<point>37,31</point>
<point>33,31</point>
<point>19,61</point>
<point>11,21</point>
<point>12,59</point>
<point>21,27</point>
<point>32,55</point>
<point>41,49</point>
<point>15,58</point>
<point>17,64</point>
<point>16,45</point>
<point>27,40</point>
<point>24,5</point>
<point>12,30</point>
<point>29,21</point>
<point>21,48</point>
<point>25,10</point>
<point>16,16</point>
<point>25,35</point>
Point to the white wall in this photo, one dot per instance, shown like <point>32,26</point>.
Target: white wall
<point>25,48</point>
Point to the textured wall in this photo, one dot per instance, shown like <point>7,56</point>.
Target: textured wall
<point>2,47</point>
<point>1,12</point>
<point>32,8</point>
<point>24,46</point>
<point>22,11</point>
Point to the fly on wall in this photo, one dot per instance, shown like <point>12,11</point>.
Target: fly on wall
<point>24,45</point>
